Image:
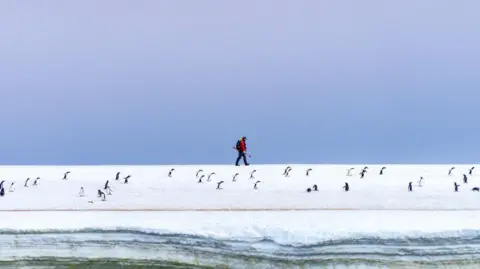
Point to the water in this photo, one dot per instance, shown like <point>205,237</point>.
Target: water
<point>129,248</point>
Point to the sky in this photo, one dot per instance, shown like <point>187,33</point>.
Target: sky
<point>178,82</point>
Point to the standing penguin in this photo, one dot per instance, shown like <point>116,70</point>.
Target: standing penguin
<point>410,188</point>
<point>82,192</point>
<point>65,176</point>
<point>465,178</point>
<point>455,186</point>
<point>170,173</point>
<point>107,188</point>
<point>12,187</point>
<point>420,182</point>
<point>381,170</point>
<point>451,170</point>
<point>252,174</point>
<point>346,187</point>
<point>471,170</point>
<point>287,170</point>
<point>362,174</point>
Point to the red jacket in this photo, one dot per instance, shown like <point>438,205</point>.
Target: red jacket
<point>241,146</point>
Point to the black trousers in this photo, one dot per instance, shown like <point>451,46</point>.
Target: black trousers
<point>241,155</point>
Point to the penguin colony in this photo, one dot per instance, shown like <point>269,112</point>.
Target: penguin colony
<point>202,177</point>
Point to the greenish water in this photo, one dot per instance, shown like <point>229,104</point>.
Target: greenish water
<point>51,263</point>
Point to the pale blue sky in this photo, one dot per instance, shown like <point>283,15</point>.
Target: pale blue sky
<point>147,82</point>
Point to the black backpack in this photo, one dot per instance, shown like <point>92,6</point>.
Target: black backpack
<point>238,145</point>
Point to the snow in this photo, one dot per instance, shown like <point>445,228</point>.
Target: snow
<point>377,206</point>
<point>150,188</point>
<point>304,228</point>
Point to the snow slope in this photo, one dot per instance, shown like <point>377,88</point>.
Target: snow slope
<point>176,219</point>
<point>150,188</point>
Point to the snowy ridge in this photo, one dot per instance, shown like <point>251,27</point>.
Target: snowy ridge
<point>304,228</point>
<point>375,222</point>
<point>268,238</point>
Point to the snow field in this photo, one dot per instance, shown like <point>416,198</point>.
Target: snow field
<point>150,188</point>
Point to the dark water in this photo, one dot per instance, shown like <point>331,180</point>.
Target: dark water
<point>57,263</point>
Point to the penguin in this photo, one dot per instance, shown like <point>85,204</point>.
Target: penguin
<point>218,185</point>
<point>2,192</point>
<point>349,171</point>
<point>315,188</point>
<point>35,183</point>
<point>117,176</point>
<point>381,170</point>
<point>200,179</point>
<point>1,184</point>
<point>101,194</point>
<point>455,185</point>
<point>346,187</point>
<point>308,171</point>
<point>12,187</point>
<point>251,174</point>
<point>286,170</point>
<point>235,177</point>
<point>198,172</point>
<point>471,170</point>
<point>450,171</point>
<point>170,172</point>
<point>82,192</point>
<point>287,174</point>
<point>26,182</point>
<point>107,188</point>
<point>362,174</point>
<point>126,179</point>
<point>420,182</point>
<point>256,183</point>
<point>410,188</point>
<point>475,189</point>
<point>209,176</point>
<point>65,175</point>
<point>465,179</point>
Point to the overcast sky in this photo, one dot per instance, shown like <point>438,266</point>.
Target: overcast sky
<point>177,82</point>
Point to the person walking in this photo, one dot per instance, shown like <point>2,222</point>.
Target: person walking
<point>241,147</point>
